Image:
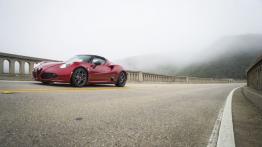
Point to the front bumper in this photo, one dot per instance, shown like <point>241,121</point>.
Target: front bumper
<point>51,75</point>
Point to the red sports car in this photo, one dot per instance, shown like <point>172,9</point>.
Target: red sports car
<point>81,70</point>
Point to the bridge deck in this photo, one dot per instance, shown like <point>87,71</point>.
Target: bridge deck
<point>138,115</point>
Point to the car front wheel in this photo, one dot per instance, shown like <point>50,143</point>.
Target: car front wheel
<point>79,78</point>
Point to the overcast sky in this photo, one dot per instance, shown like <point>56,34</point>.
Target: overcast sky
<point>59,29</point>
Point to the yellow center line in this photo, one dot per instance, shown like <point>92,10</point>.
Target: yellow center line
<point>3,91</point>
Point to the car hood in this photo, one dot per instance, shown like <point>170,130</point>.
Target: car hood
<point>46,65</point>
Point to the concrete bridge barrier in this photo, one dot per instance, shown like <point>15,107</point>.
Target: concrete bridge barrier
<point>208,80</point>
<point>17,67</point>
<point>254,75</point>
<point>138,76</point>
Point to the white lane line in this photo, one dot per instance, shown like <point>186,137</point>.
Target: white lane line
<point>226,133</point>
<point>223,133</point>
<point>214,135</point>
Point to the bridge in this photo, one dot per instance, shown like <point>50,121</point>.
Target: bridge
<point>19,67</point>
<point>152,110</point>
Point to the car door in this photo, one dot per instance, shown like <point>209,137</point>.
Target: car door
<point>100,73</point>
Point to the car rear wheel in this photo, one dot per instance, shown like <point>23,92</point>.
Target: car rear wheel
<point>121,82</point>
<point>79,77</point>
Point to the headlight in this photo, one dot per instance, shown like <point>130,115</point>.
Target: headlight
<point>64,65</point>
<point>36,65</point>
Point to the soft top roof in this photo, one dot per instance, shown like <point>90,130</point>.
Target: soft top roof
<point>92,56</point>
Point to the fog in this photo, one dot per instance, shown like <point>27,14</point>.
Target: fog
<point>120,29</point>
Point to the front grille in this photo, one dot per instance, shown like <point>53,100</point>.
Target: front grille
<point>38,71</point>
<point>48,75</point>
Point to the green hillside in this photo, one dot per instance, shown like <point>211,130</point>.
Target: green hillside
<point>225,67</point>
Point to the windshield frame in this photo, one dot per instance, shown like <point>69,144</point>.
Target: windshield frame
<point>79,58</point>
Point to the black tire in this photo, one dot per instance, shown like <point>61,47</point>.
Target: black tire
<point>46,83</point>
<point>79,77</point>
<point>121,81</point>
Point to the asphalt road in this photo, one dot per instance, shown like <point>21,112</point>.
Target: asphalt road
<point>137,115</point>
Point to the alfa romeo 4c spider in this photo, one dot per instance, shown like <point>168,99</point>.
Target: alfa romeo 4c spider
<point>80,71</point>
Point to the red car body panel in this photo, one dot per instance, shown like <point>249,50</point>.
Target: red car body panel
<point>106,73</point>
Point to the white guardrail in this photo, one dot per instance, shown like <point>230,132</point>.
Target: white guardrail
<point>138,76</point>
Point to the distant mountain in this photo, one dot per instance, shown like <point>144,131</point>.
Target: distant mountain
<point>228,57</point>
<point>154,63</point>
<point>236,54</point>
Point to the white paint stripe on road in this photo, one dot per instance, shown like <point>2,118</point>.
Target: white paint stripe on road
<point>223,133</point>
<point>214,135</point>
<point>226,133</point>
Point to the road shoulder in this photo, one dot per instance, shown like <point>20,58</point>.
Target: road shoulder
<point>247,118</point>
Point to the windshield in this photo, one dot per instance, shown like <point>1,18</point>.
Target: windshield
<point>79,58</point>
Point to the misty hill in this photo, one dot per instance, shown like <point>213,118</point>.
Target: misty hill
<point>154,63</point>
<point>229,57</point>
<point>237,54</point>
<point>225,67</point>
